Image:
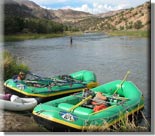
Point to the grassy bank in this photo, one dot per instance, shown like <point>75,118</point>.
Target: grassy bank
<point>12,66</point>
<point>135,33</point>
<point>20,37</point>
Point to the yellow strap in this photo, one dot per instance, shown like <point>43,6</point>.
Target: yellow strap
<point>80,103</point>
<point>125,77</point>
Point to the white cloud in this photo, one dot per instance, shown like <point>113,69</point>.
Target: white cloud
<point>153,1</point>
<point>45,7</point>
<point>84,8</point>
<point>98,8</point>
<point>92,6</point>
<point>101,8</point>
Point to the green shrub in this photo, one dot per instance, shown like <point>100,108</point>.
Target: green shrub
<point>138,24</point>
<point>12,66</point>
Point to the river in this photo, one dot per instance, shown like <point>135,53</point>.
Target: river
<point>110,57</point>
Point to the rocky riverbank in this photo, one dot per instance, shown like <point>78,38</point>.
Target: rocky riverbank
<point>18,122</point>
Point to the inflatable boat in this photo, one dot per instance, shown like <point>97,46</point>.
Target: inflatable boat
<point>40,87</point>
<point>123,99</point>
<point>15,103</point>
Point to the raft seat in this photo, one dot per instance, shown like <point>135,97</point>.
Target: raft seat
<point>79,110</point>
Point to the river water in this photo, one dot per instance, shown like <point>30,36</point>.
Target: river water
<point>109,57</point>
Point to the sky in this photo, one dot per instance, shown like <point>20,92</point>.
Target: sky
<point>91,6</point>
<point>152,1</point>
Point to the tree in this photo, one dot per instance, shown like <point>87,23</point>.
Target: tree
<point>13,24</point>
<point>121,27</point>
<point>138,24</point>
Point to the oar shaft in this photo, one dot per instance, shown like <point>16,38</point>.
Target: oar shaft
<point>125,77</point>
<point>80,103</point>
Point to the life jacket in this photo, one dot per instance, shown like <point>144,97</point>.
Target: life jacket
<point>99,104</point>
<point>15,78</point>
<point>99,107</point>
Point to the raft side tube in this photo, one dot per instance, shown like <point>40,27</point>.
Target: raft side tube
<point>79,110</point>
<point>109,88</point>
<point>84,76</point>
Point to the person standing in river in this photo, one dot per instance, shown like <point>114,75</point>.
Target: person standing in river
<point>71,40</point>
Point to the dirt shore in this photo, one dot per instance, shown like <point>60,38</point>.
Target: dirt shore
<point>18,122</point>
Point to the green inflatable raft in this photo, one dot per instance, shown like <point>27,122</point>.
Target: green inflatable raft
<point>43,88</point>
<point>124,99</point>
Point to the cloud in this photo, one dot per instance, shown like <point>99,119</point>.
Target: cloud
<point>152,1</point>
<point>101,8</point>
<point>84,8</point>
<point>45,7</point>
<point>92,6</point>
<point>98,8</point>
<point>109,6</point>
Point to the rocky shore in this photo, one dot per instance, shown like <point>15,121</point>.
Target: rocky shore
<point>18,122</point>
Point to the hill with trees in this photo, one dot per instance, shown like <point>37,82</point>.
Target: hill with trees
<point>27,17</point>
<point>137,18</point>
<point>24,16</point>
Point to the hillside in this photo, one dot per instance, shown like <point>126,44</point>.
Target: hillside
<point>69,15</point>
<point>26,8</point>
<point>128,19</point>
<point>110,13</point>
<point>28,15</point>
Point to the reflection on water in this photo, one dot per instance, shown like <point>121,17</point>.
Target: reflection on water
<point>109,57</point>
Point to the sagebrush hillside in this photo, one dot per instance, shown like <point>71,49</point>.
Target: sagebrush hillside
<point>129,19</point>
<point>24,16</point>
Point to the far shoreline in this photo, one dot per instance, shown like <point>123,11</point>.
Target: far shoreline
<point>29,36</point>
<point>131,33</point>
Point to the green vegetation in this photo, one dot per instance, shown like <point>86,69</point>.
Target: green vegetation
<point>138,33</point>
<point>122,32</point>
<point>124,125</point>
<point>20,37</point>
<point>12,66</point>
<point>138,24</point>
<point>15,25</point>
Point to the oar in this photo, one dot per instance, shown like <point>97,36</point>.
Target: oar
<point>72,80</point>
<point>125,77</point>
<point>55,80</point>
<point>40,77</point>
<point>80,103</point>
<point>29,72</point>
<point>117,98</point>
<point>69,79</point>
<point>114,98</point>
